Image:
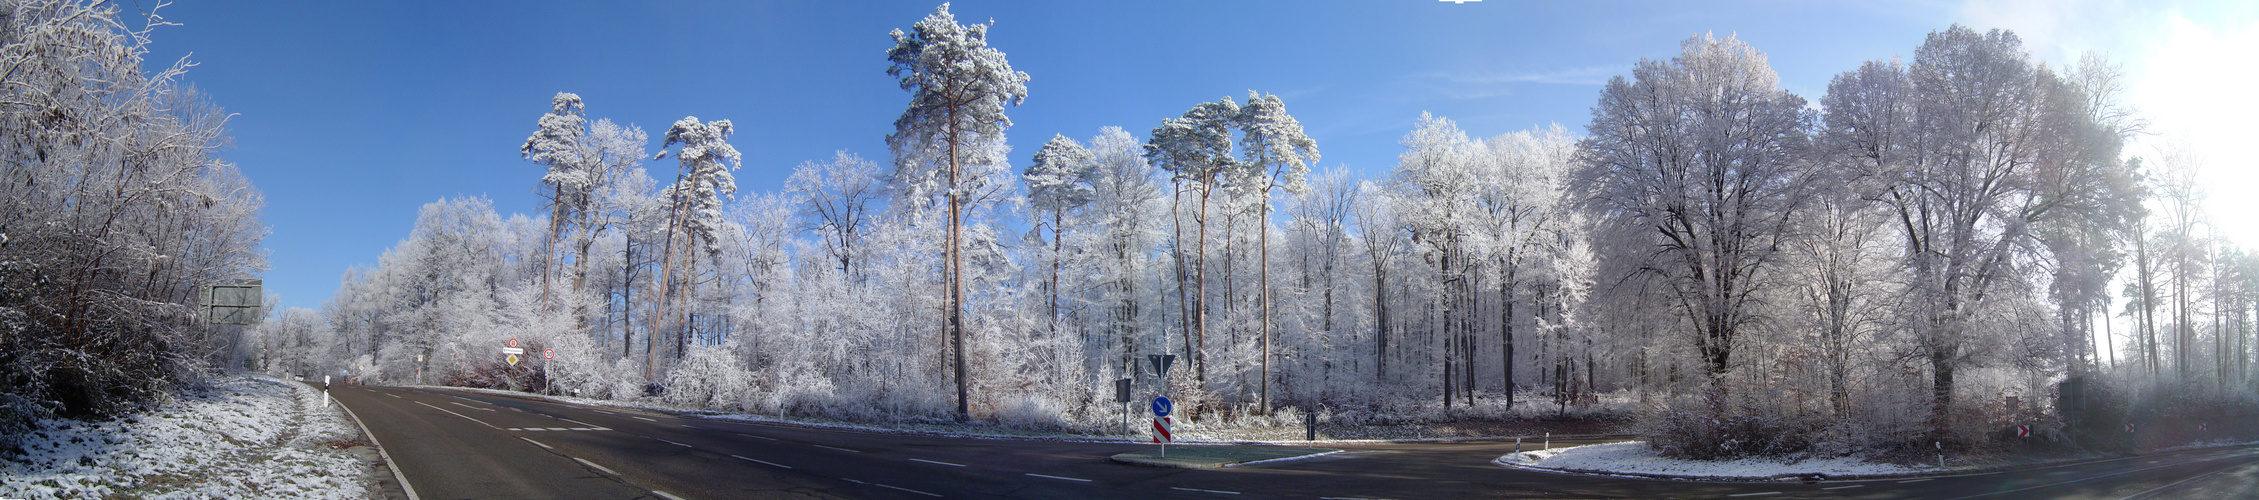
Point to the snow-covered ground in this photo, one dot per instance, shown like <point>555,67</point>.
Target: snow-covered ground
<point>1635,458</point>
<point>249,436</point>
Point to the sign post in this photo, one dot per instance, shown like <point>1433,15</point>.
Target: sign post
<point>546,355</point>
<point>1122,395</point>
<point>1161,424</point>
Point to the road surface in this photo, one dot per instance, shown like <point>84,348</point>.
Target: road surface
<point>458,444</point>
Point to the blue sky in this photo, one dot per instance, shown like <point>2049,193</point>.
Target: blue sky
<point>353,114</point>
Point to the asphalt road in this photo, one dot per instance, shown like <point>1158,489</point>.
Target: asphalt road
<point>454,444</point>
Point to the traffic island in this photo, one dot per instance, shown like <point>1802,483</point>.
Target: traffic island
<point>1211,457</point>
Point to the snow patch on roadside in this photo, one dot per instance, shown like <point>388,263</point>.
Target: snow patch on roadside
<point>248,436</point>
<point>1636,458</point>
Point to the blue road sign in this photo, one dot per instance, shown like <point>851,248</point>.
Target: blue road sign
<point>1161,406</point>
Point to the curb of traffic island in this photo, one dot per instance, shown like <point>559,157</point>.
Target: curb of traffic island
<point>1218,456</point>
<point>1811,477</point>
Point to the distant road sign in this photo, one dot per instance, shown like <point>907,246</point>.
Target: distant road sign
<point>235,302</point>
<point>1161,433</point>
<point>513,350</point>
<point>512,358</point>
<point>548,354</point>
<point>1161,364</point>
<point>2023,431</point>
<point>513,344</point>
<point>1161,406</point>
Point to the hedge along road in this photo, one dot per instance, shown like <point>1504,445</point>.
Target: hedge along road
<point>456,444</point>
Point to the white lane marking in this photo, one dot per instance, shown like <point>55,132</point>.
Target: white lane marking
<point>388,463</point>
<point>906,489</point>
<point>643,419</point>
<point>936,463</point>
<point>559,429</point>
<point>593,464</point>
<point>536,443</point>
<point>602,411</point>
<point>852,481</point>
<point>834,448</point>
<point>1768,493</point>
<point>1063,478</point>
<point>670,496</point>
<point>753,436</point>
<point>675,443</point>
<point>1913,481</point>
<point>452,412</point>
<point>688,426</point>
<point>394,396</point>
<point>762,462</point>
<point>585,424</point>
<point>1220,492</point>
<point>1846,487</point>
<point>469,406</point>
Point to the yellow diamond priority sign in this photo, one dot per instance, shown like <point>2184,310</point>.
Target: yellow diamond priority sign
<point>513,359</point>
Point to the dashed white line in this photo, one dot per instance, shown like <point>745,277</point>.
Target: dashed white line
<point>1219,492</point>
<point>670,496</point>
<point>1064,478</point>
<point>936,463</point>
<point>688,426</point>
<point>762,462</point>
<point>675,443</point>
<point>1846,487</point>
<point>906,489</point>
<point>754,437</point>
<point>1768,493</point>
<point>1913,481</point>
<point>835,448</point>
<point>537,443</point>
<point>643,419</point>
<point>852,481</point>
<point>593,465</point>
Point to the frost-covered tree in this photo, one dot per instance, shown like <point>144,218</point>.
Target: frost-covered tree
<point>702,182</point>
<point>959,87</point>
<point>839,199</point>
<point>1976,149</point>
<point>116,210</point>
<point>1058,182</point>
<point>1702,152</point>
<point>1194,149</point>
<point>1273,147</point>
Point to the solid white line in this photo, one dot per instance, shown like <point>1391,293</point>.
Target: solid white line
<point>906,489</point>
<point>753,436</point>
<point>1846,487</point>
<point>762,462</point>
<point>388,463</point>
<point>852,481</point>
<point>644,419</point>
<point>670,496</point>
<point>675,443</point>
<point>834,448</point>
<point>1768,493</point>
<point>936,463</point>
<point>536,443</point>
<point>1204,491</point>
<point>1060,477</point>
<point>1913,481</point>
<point>593,464</point>
<point>586,424</point>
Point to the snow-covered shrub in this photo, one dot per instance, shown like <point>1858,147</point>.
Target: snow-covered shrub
<point>708,377</point>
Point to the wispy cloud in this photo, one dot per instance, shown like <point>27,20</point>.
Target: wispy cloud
<point>1591,75</point>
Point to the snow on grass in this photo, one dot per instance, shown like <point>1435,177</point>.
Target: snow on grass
<point>1635,458</point>
<point>248,436</point>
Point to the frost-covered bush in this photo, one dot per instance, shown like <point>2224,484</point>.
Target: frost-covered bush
<point>709,377</point>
